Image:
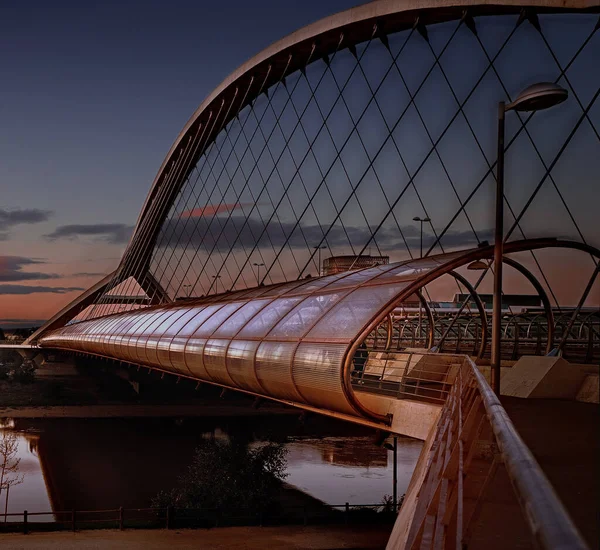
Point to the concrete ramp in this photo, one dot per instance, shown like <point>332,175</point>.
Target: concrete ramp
<point>543,378</point>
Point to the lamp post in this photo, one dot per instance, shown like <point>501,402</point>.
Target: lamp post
<point>536,97</point>
<point>417,219</point>
<point>421,220</point>
<point>319,248</point>
<point>216,278</point>
<point>258,266</point>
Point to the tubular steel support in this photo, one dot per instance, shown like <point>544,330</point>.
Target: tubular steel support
<point>498,254</point>
<point>543,297</point>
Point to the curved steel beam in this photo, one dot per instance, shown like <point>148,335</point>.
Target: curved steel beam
<point>543,296</point>
<point>480,253</point>
<point>429,313</point>
<point>480,308</point>
<point>291,53</point>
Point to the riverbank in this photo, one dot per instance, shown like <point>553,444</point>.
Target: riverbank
<point>230,538</point>
<point>64,391</point>
<point>133,410</point>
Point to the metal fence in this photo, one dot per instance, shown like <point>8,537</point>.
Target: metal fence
<point>178,518</point>
<point>406,375</point>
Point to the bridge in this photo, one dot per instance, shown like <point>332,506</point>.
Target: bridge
<point>374,131</point>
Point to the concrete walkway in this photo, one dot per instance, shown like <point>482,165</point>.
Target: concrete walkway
<point>230,538</point>
<point>564,437</point>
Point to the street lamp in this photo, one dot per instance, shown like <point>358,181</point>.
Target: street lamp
<point>319,248</point>
<point>417,219</point>
<point>258,266</point>
<point>216,278</point>
<point>536,97</point>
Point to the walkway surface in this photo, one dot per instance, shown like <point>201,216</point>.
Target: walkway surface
<point>564,437</point>
<point>231,538</point>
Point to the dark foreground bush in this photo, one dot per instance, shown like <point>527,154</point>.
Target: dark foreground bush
<point>229,475</point>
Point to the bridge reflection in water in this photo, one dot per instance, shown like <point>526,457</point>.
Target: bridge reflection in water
<point>88,464</point>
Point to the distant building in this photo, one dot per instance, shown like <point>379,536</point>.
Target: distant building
<point>508,300</point>
<point>337,264</point>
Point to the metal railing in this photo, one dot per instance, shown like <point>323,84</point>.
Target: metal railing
<point>522,334</point>
<point>175,518</point>
<point>474,441</point>
<point>405,375</point>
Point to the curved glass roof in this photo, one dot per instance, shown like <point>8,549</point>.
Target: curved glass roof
<point>288,341</point>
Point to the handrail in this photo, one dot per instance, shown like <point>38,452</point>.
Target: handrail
<point>546,516</point>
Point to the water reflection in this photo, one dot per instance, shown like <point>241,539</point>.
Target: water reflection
<point>32,494</point>
<point>341,469</point>
<point>105,463</point>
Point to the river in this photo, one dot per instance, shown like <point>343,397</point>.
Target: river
<point>107,463</point>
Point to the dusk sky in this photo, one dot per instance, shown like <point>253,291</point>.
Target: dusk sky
<point>92,97</point>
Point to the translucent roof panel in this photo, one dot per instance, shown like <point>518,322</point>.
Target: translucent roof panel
<point>346,318</point>
<point>301,319</point>
<point>288,342</point>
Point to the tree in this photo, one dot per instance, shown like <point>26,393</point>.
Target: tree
<point>229,475</point>
<point>9,465</point>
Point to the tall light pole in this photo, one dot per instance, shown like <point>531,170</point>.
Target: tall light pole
<point>258,266</point>
<point>216,278</point>
<point>536,97</point>
<point>319,248</point>
<point>422,220</point>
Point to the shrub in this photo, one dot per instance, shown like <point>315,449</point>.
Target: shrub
<point>229,475</point>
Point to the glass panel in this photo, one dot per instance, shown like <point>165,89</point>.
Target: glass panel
<point>240,364</point>
<point>177,324</point>
<point>359,277</point>
<point>302,317</point>
<point>263,322</point>
<point>214,361</point>
<point>201,316</point>
<point>273,369</point>
<point>158,339</point>
<point>354,312</point>
<point>215,320</point>
<point>232,325</point>
<point>317,371</point>
<point>190,357</point>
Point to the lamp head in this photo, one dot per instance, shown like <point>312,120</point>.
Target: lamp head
<point>478,265</point>
<point>538,97</point>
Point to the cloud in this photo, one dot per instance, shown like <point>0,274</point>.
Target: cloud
<point>240,232</point>
<point>10,218</point>
<point>11,269</point>
<point>112,233</point>
<point>211,210</point>
<point>89,274</point>
<point>25,289</point>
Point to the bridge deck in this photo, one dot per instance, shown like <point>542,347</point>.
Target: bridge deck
<point>563,437</point>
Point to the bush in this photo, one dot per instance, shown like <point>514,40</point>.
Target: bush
<point>25,374</point>
<point>229,476</point>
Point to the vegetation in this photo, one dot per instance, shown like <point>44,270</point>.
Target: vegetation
<point>229,476</point>
<point>9,465</point>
